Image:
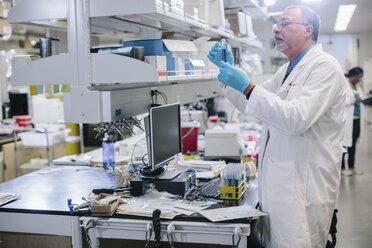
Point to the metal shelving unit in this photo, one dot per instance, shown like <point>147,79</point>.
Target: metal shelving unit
<point>96,79</point>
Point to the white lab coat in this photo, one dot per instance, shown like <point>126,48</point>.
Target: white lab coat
<point>299,167</point>
<point>349,115</point>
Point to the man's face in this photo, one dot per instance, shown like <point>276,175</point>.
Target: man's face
<point>292,30</point>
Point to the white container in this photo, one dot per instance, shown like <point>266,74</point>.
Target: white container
<point>33,165</point>
<point>33,138</point>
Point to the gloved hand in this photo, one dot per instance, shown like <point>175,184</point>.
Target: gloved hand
<point>215,54</point>
<point>233,77</point>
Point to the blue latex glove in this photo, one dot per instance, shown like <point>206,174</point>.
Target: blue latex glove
<point>233,77</point>
<point>215,54</point>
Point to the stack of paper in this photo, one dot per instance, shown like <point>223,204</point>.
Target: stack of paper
<point>169,205</point>
<point>204,168</point>
<point>7,197</point>
<point>231,213</point>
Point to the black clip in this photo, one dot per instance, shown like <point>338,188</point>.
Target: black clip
<point>156,226</point>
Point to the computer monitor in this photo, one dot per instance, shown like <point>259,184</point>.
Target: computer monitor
<point>19,104</point>
<point>163,131</point>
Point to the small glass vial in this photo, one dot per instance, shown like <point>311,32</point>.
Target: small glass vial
<point>108,152</point>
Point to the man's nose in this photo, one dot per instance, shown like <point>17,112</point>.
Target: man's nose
<point>275,29</point>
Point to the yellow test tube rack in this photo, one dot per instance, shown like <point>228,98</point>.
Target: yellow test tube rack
<point>233,192</point>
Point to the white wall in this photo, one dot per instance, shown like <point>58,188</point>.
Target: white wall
<point>336,45</point>
<point>362,56</point>
<point>365,48</point>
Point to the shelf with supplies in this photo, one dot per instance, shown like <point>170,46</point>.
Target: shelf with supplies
<point>112,16</point>
<point>107,87</point>
<point>107,69</point>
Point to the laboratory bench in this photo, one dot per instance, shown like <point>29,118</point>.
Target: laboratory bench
<point>42,210</point>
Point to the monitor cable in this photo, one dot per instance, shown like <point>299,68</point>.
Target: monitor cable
<point>131,157</point>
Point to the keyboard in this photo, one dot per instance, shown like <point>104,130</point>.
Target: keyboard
<point>211,189</point>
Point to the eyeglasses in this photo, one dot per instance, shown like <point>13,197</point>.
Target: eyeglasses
<point>283,24</point>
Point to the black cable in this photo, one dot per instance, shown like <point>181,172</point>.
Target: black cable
<point>143,161</point>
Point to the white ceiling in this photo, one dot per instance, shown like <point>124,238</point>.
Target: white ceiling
<point>361,21</point>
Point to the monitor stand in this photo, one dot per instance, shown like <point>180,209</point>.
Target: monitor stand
<point>147,172</point>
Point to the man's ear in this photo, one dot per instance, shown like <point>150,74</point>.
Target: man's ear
<point>309,30</point>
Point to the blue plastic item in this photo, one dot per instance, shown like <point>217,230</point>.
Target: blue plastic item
<point>70,206</point>
<point>171,66</point>
<point>108,152</point>
<point>152,47</point>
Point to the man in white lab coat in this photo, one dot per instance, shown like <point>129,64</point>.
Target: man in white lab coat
<point>302,109</point>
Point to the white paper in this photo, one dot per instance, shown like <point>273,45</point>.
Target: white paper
<point>230,213</point>
<point>7,197</point>
<point>168,204</point>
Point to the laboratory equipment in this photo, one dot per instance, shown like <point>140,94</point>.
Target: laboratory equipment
<point>108,152</point>
<point>180,184</point>
<point>118,126</point>
<point>163,132</point>
<point>233,182</point>
<point>190,131</point>
<point>223,144</point>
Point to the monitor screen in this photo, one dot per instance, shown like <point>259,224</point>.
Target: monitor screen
<point>18,104</point>
<point>165,134</point>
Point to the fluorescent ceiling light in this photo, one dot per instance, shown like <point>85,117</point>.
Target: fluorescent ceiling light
<point>344,14</point>
<point>307,1</point>
<point>269,2</point>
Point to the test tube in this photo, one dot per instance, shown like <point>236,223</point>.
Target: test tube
<point>223,42</point>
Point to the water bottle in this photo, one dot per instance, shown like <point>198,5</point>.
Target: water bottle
<point>108,152</point>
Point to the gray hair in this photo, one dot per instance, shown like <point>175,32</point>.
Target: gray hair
<point>310,17</point>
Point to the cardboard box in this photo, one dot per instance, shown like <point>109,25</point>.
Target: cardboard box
<point>104,210</point>
<point>5,27</point>
<point>249,25</point>
<point>217,14</point>
<point>160,63</point>
<point>237,20</point>
<point>194,66</point>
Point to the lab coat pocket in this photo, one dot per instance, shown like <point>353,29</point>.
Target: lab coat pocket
<point>280,180</point>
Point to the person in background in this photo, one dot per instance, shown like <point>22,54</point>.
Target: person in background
<point>302,110</point>
<point>352,117</point>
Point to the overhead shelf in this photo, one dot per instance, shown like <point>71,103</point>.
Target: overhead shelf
<point>107,70</point>
<point>114,102</point>
<point>114,16</point>
<point>250,7</point>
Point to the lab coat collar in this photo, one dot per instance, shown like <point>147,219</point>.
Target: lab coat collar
<point>310,55</point>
